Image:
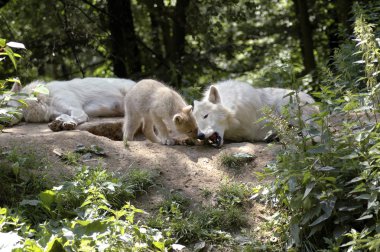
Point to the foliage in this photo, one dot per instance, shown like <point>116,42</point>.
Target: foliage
<point>20,175</point>
<point>222,39</point>
<point>235,161</point>
<point>331,190</point>
<point>212,224</point>
<point>8,115</point>
<point>90,212</point>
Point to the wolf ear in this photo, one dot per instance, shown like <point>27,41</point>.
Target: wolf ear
<point>213,95</point>
<point>177,119</point>
<point>187,109</point>
<point>16,88</point>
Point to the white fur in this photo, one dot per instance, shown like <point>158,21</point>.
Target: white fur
<point>159,108</point>
<point>232,110</point>
<point>70,103</point>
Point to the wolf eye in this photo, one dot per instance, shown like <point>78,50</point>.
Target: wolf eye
<point>205,116</point>
<point>190,131</point>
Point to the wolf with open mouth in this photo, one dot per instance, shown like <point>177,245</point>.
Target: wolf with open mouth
<point>231,110</point>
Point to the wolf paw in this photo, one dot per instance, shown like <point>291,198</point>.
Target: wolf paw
<point>62,123</point>
<point>69,125</point>
<point>55,125</point>
<point>168,141</point>
<point>188,141</point>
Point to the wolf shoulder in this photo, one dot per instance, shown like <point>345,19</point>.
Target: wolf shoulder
<point>150,94</point>
<point>238,91</point>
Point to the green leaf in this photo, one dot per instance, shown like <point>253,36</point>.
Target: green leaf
<point>3,211</point>
<point>89,228</point>
<point>292,183</point>
<point>365,217</point>
<point>317,150</point>
<point>364,196</point>
<point>32,245</point>
<point>17,80</point>
<point>295,234</point>
<point>350,156</point>
<point>308,189</point>
<point>331,179</point>
<point>10,54</point>
<point>306,177</point>
<point>325,168</point>
<point>16,45</point>
<point>54,246</point>
<point>314,230</point>
<point>40,89</point>
<point>29,202</point>
<point>16,169</point>
<point>372,202</point>
<point>349,208</point>
<point>47,198</point>
<point>159,245</point>
<point>354,180</point>
<point>2,42</point>
<point>327,207</point>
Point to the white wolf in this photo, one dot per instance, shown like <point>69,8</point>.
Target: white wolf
<point>159,108</point>
<point>231,110</point>
<point>70,103</point>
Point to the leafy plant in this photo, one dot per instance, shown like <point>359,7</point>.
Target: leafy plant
<point>20,175</point>
<point>330,190</point>
<point>9,115</point>
<point>235,160</point>
<point>71,158</point>
<point>140,180</point>
<point>80,215</point>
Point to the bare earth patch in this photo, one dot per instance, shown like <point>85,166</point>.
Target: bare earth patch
<point>189,170</point>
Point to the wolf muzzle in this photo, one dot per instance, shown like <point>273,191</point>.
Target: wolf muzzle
<point>201,136</point>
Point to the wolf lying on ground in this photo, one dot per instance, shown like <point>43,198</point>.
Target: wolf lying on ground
<point>70,103</point>
<point>231,110</point>
<point>159,108</point>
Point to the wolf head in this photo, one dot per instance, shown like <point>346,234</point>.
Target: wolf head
<point>185,123</point>
<point>212,117</point>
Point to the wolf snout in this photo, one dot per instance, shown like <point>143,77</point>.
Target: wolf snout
<point>201,136</point>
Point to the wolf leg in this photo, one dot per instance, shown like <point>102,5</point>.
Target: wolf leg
<point>163,131</point>
<point>148,130</point>
<point>78,115</point>
<point>131,123</point>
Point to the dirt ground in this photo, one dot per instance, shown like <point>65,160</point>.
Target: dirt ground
<point>189,170</point>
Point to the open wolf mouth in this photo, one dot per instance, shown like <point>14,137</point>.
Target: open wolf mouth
<point>215,139</point>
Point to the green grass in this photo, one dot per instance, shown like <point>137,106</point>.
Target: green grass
<point>235,161</point>
<point>232,194</point>
<point>139,179</point>
<point>20,175</point>
<point>212,223</point>
<point>71,158</point>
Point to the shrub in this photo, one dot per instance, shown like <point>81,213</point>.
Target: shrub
<point>331,190</point>
<point>78,215</point>
<point>8,115</point>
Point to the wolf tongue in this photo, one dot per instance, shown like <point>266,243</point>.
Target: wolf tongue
<point>214,137</point>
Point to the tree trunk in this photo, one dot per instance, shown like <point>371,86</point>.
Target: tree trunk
<point>125,54</point>
<point>171,23</point>
<point>305,35</point>
<point>179,38</point>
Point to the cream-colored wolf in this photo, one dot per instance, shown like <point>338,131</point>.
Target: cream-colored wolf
<point>231,110</point>
<point>157,107</point>
<point>72,102</point>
